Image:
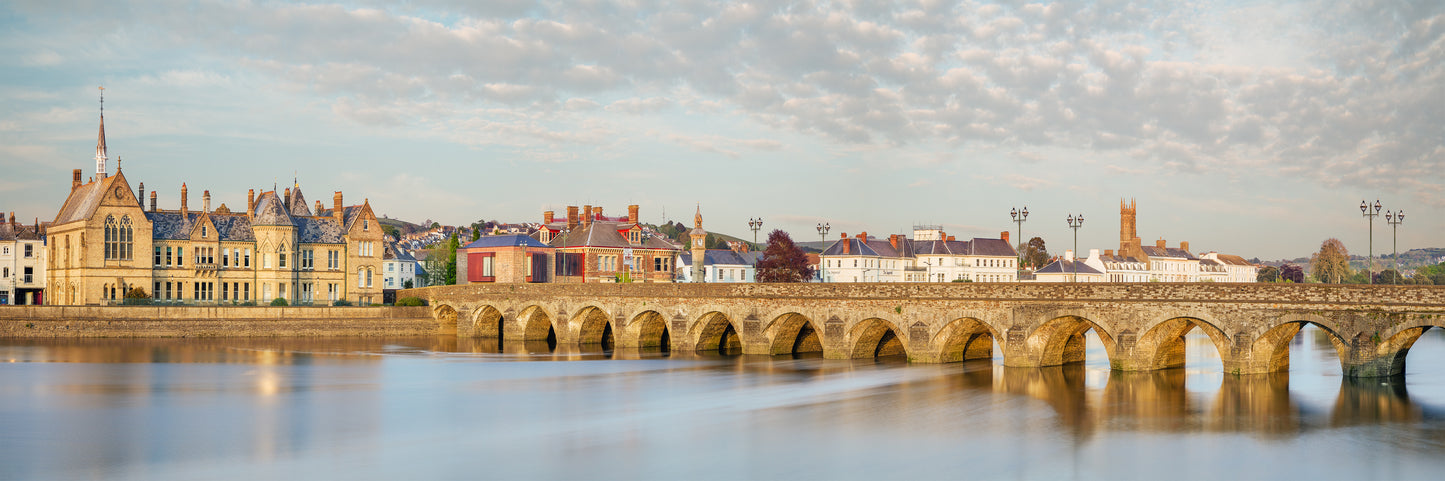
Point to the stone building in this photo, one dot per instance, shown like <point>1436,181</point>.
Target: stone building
<point>504,258</point>
<point>106,242</point>
<point>22,262</point>
<point>591,247</point>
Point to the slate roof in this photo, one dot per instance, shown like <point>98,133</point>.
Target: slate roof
<point>298,203</point>
<point>233,227</point>
<point>604,234</point>
<point>1233,260</point>
<point>1067,267</point>
<point>1170,252</point>
<point>83,200</point>
<point>270,210</point>
<point>169,225</point>
<point>318,230</point>
<point>12,232</point>
<point>854,248</point>
<point>509,240</point>
<point>723,257</point>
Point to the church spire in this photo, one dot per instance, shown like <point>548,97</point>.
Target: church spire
<point>100,155</point>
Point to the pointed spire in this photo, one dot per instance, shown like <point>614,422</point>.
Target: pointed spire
<point>697,220</point>
<point>100,155</point>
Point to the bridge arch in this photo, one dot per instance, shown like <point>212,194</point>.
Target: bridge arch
<point>1060,341</point>
<point>1391,347</point>
<point>1162,346</point>
<point>591,325</point>
<point>876,337</point>
<point>485,322</point>
<point>793,333</point>
<point>648,329</point>
<point>446,317</point>
<point>964,339</point>
<point>536,325</point>
<point>715,331</point>
<point>1272,347</point>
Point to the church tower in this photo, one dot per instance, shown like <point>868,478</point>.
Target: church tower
<point>1129,243</point>
<point>100,155</point>
<point>699,246</point>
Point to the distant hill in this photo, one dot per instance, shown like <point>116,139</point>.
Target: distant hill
<point>1409,260</point>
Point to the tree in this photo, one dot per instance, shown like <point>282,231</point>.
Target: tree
<point>1035,254</point>
<point>407,285</point>
<point>1389,276</point>
<point>451,255</point>
<point>1292,273</point>
<point>783,261</point>
<point>1435,273</point>
<point>1332,263</point>
<point>1268,274</point>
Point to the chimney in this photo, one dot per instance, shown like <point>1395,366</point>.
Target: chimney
<point>948,239</point>
<point>153,201</point>
<point>184,209</point>
<point>863,237</point>
<point>1068,254</point>
<point>1159,243</point>
<point>632,214</point>
<point>572,217</point>
<point>1004,235</point>
<point>846,245</point>
<point>206,201</point>
<point>75,179</point>
<point>547,216</point>
<point>287,205</point>
<point>597,213</point>
<point>141,197</point>
<point>318,207</point>
<point>250,202</point>
<point>1108,252</point>
<point>1184,245</point>
<point>12,217</point>
<point>586,215</point>
<point>845,235</point>
<point>336,209</point>
<point>893,240</point>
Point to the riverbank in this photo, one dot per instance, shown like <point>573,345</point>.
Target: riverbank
<point>213,321</point>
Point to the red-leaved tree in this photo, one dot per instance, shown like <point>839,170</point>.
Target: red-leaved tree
<point>783,261</point>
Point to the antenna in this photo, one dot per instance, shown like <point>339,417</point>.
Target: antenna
<point>102,100</point>
<point>117,164</point>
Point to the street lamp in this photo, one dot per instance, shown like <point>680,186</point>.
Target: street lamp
<point>1075,223</point>
<point>1019,217</point>
<point>755,224</point>
<point>822,238</point>
<point>1365,209</point>
<point>1395,220</point>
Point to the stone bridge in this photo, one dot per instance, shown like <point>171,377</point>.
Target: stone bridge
<point>1141,326</point>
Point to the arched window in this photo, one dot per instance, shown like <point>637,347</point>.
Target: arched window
<point>110,245</point>
<point>126,239</point>
<point>368,277</point>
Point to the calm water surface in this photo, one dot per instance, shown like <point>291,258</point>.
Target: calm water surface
<point>438,408</point>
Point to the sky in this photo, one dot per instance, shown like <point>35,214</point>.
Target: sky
<point>1251,128</point>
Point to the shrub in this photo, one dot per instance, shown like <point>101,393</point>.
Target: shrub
<point>411,301</point>
<point>341,303</point>
<point>278,302</point>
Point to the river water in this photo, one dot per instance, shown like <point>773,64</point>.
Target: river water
<point>437,408</point>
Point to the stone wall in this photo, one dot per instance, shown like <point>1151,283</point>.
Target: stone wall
<point>261,321</point>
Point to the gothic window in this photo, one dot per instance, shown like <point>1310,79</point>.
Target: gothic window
<point>111,245</point>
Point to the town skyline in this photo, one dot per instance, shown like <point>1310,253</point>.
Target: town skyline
<point>870,120</point>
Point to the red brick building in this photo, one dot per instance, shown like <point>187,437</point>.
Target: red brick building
<point>591,247</point>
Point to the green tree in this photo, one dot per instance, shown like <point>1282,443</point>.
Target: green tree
<point>1035,254</point>
<point>1268,274</point>
<point>391,230</point>
<point>451,256</point>
<point>1435,273</point>
<point>1389,276</point>
<point>1332,263</point>
<point>783,261</point>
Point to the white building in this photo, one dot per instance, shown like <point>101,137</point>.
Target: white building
<point>1236,268</point>
<point>720,265</point>
<point>1069,269</point>
<point>1169,264</point>
<point>399,267</point>
<point>22,263</point>
<point>1118,268</point>
<point>932,256</point>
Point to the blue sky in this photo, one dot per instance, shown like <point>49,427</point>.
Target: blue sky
<point>1245,127</point>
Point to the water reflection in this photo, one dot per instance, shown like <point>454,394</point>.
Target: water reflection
<point>435,407</point>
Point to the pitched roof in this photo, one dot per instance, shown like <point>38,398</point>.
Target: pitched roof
<point>298,203</point>
<point>270,210</point>
<point>604,234</point>
<point>1169,252</point>
<point>1233,260</point>
<point>169,225</point>
<point>991,247</point>
<point>318,230</point>
<point>17,231</point>
<point>723,257</point>
<point>509,240</point>
<point>83,200</point>
<point>233,227</point>
<point>1067,267</point>
<point>854,248</point>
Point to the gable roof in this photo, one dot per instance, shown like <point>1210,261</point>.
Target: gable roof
<point>298,203</point>
<point>509,240</point>
<point>1169,252</point>
<point>270,210</point>
<point>1067,267</point>
<point>723,257</point>
<point>83,200</point>
<point>601,233</point>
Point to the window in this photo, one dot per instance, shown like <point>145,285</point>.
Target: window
<point>365,224</point>
<point>487,268</point>
<point>225,259</point>
<point>30,251</point>
<point>246,289</point>
<point>179,257</point>
<point>29,275</point>
<point>368,277</point>
<point>331,291</point>
<point>307,261</point>
<point>333,259</point>
<point>281,258</point>
<point>390,267</point>
<point>158,256</point>
<point>203,231</point>
<point>265,261</point>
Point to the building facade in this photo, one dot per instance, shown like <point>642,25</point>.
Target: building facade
<point>931,256</point>
<point>22,263</point>
<point>720,265</point>
<point>512,258</point>
<point>591,247</point>
<point>106,243</point>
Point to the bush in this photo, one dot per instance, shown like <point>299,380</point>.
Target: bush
<point>411,301</point>
<point>278,302</point>
<point>341,303</point>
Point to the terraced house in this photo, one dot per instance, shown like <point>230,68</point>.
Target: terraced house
<point>105,243</point>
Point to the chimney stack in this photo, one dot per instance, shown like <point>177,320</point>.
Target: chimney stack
<point>893,239</point>
<point>1184,245</point>
<point>847,246</point>
<point>336,209</point>
<point>632,214</point>
<point>863,237</point>
<point>206,201</point>
<point>75,180</point>
<point>12,217</point>
<point>597,210</point>
<point>948,239</point>
<point>1159,243</point>
<point>1004,235</point>
<point>142,195</point>
<point>153,201</point>
<point>184,208</point>
<point>250,202</point>
<point>586,215</point>
<point>287,205</point>
<point>572,217</point>
<point>1108,252</point>
<point>318,207</point>
<point>547,216</point>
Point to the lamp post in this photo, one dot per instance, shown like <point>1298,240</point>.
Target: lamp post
<point>823,238</point>
<point>1365,209</point>
<point>755,224</point>
<point>1075,223</point>
<point>1395,220</point>
<point>1019,218</point>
